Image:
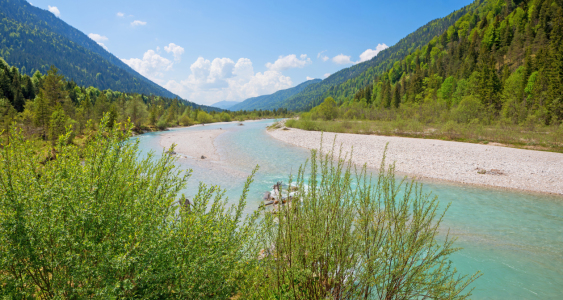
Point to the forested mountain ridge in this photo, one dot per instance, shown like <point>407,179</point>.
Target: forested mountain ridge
<point>33,39</point>
<point>502,62</point>
<point>273,101</point>
<point>314,94</point>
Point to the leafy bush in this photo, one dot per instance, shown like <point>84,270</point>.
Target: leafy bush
<point>349,237</point>
<point>185,121</point>
<point>203,117</point>
<point>104,223</point>
<point>468,109</point>
<point>161,124</point>
<point>225,117</point>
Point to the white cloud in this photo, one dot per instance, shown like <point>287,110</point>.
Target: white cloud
<point>54,10</point>
<point>288,62</point>
<point>326,75</point>
<point>342,59</point>
<point>175,49</point>
<point>99,39</point>
<point>321,56</point>
<point>310,78</point>
<point>223,79</point>
<point>138,23</point>
<point>103,46</point>
<point>151,65</point>
<point>174,87</point>
<point>120,14</point>
<point>371,53</point>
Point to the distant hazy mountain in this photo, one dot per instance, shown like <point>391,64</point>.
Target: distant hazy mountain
<point>34,39</point>
<point>274,100</point>
<point>225,104</point>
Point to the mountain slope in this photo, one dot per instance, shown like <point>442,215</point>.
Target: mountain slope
<point>314,94</point>
<point>500,63</point>
<point>225,104</point>
<point>273,101</point>
<point>33,39</point>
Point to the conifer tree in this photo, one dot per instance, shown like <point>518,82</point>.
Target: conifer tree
<point>18,101</point>
<point>52,87</point>
<point>42,113</point>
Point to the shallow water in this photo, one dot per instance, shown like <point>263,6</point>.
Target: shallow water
<point>514,238</point>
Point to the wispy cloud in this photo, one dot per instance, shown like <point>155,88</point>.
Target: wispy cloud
<point>289,62</point>
<point>342,59</point>
<point>99,39</point>
<point>323,57</point>
<point>175,49</point>
<point>138,23</point>
<point>120,14</point>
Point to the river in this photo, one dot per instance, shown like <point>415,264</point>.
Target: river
<point>514,238</point>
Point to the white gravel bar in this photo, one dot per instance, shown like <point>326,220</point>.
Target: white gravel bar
<point>193,143</point>
<point>503,167</point>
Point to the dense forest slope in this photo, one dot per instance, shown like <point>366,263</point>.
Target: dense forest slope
<point>273,101</point>
<point>314,94</point>
<point>33,39</point>
<point>503,61</point>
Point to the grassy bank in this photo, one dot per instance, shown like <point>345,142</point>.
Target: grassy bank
<point>546,138</point>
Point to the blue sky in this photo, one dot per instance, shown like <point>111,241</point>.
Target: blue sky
<point>209,51</point>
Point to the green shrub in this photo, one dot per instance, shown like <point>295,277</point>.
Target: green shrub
<point>349,237</point>
<point>185,120</point>
<point>162,124</point>
<point>203,117</point>
<point>468,109</point>
<point>105,224</point>
<point>225,117</point>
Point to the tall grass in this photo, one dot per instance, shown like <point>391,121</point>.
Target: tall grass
<point>549,138</point>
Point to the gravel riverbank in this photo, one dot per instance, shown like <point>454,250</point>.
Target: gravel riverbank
<point>193,143</point>
<point>478,164</point>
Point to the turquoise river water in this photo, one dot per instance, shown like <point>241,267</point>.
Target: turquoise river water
<point>514,238</point>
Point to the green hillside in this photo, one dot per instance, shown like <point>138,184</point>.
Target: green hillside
<point>273,101</point>
<point>506,58</point>
<point>34,39</point>
<point>314,94</point>
<point>494,75</point>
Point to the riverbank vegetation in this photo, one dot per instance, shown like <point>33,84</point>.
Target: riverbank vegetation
<point>495,75</point>
<point>45,105</point>
<point>103,221</point>
<point>529,136</point>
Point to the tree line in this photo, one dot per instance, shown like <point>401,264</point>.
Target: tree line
<point>45,105</point>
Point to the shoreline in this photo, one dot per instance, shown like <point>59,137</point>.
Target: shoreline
<point>536,172</point>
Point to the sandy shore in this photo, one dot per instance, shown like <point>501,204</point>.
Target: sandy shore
<point>503,167</point>
<point>193,143</point>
